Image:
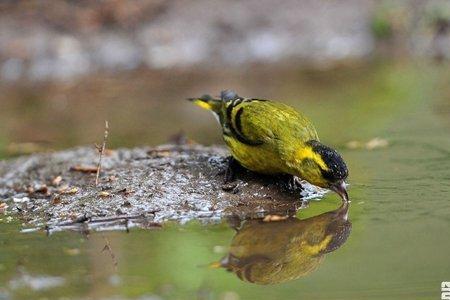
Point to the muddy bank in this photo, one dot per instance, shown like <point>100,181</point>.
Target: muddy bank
<point>138,187</point>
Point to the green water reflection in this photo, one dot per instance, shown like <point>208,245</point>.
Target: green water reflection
<point>399,247</point>
<point>271,252</point>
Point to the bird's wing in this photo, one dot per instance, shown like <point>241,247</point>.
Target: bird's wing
<point>257,121</point>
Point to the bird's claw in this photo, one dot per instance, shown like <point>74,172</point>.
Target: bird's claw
<point>296,183</point>
<point>232,168</point>
<point>304,204</point>
<point>232,187</point>
<point>291,183</point>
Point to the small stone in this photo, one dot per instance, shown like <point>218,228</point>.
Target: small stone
<point>126,204</point>
<point>56,200</point>
<point>104,194</point>
<point>56,181</point>
<point>3,207</point>
<point>21,200</point>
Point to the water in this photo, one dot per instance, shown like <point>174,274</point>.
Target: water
<point>399,245</point>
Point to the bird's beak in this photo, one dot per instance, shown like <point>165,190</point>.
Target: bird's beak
<point>341,189</point>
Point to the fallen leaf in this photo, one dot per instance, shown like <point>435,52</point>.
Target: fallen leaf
<point>84,169</point>
<point>69,191</point>
<point>104,194</point>
<point>56,181</point>
<point>274,218</point>
<point>159,153</point>
<point>41,189</point>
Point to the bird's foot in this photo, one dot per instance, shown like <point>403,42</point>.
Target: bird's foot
<point>232,187</point>
<point>230,183</point>
<point>233,167</point>
<point>291,182</point>
<point>296,183</point>
<point>305,204</point>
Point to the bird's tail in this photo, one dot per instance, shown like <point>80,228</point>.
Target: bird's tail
<point>208,102</point>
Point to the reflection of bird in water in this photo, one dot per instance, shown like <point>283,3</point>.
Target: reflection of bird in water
<point>275,252</point>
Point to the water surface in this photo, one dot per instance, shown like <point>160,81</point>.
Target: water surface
<point>399,245</point>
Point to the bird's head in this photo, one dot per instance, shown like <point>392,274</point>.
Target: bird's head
<point>324,167</point>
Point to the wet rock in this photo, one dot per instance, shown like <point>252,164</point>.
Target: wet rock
<point>141,186</point>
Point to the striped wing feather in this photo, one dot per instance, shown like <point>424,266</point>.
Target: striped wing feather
<point>261,121</point>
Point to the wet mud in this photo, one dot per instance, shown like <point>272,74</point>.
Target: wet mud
<point>139,187</point>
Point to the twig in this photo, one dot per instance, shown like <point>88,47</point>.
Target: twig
<point>102,150</point>
<point>95,222</point>
<point>110,251</point>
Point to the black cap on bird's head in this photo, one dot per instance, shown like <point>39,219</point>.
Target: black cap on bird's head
<point>335,171</point>
<point>228,95</point>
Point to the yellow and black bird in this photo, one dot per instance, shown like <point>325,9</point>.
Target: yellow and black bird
<point>281,251</point>
<point>269,137</point>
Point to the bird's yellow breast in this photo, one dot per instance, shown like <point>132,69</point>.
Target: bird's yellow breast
<point>262,159</point>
